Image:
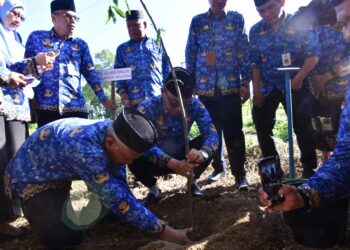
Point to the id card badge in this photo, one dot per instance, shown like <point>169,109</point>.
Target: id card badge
<point>71,70</point>
<point>286,60</point>
<point>210,58</point>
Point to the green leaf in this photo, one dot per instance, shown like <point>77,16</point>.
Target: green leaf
<point>127,5</point>
<point>119,11</point>
<point>115,2</point>
<point>110,14</point>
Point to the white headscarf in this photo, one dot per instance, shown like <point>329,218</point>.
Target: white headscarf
<point>11,47</point>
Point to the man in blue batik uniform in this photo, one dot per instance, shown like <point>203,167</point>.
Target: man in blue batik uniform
<point>331,181</point>
<point>59,94</point>
<point>275,43</point>
<point>217,52</point>
<point>147,60</point>
<point>169,155</point>
<point>330,82</point>
<point>94,151</point>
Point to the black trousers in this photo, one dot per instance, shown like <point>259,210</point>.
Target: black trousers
<point>12,135</point>
<point>44,118</point>
<point>145,171</point>
<point>226,113</point>
<point>265,118</point>
<point>46,214</point>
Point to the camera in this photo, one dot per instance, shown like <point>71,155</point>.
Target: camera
<point>271,175</point>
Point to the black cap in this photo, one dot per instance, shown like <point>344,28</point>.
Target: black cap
<point>62,5</point>
<point>186,82</point>
<point>261,2</point>
<point>134,15</point>
<point>135,130</point>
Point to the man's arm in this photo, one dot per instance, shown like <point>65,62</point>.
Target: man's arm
<point>308,66</point>
<point>191,48</point>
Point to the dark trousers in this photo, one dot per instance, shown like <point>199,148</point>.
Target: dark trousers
<point>145,171</point>
<point>44,118</point>
<point>265,118</point>
<point>12,135</point>
<point>46,214</point>
<point>226,113</point>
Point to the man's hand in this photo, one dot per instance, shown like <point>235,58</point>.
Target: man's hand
<point>292,199</point>
<point>181,167</point>
<point>297,82</point>
<point>258,99</point>
<point>45,60</point>
<point>17,80</point>
<point>178,236</point>
<point>124,98</point>
<point>195,156</point>
<point>318,84</point>
<point>109,105</point>
<point>245,93</point>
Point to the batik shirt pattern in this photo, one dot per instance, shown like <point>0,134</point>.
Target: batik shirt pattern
<point>71,149</point>
<point>170,129</point>
<point>335,57</point>
<point>60,89</point>
<point>331,181</point>
<point>149,66</point>
<point>14,102</point>
<point>227,38</point>
<point>268,46</point>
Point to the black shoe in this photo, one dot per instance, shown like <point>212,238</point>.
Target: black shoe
<point>151,198</point>
<point>242,184</point>
<point>196,191</point>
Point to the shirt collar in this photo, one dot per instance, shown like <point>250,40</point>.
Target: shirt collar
<point>53,35</point>
<point>210,14</point>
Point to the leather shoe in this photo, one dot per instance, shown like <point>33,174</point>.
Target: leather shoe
<point>196,191</point>
<point>215,176</point>
<point>242,184</point>
<point>151,198</point>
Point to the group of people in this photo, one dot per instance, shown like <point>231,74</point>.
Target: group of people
<point>148,136</point>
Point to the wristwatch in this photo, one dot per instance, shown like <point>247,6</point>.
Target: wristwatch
<point>204,154</point>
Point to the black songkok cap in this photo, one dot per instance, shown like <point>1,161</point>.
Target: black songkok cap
<point>134,15</point>
<point>135,130</point>
<point>62,5</point>
<point>186,85</point>
<point>260,2</point>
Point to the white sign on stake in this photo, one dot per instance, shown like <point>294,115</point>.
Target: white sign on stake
<point>109,75</point>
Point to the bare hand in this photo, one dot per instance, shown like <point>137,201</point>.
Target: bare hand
<point>17,80</point>
<point>245,93</point>
<point>109,105</point>
<point>124,98</point>
<point>318,84</point>
<point>182,167</point>
<point>292,199</point>
<point>195,156</point>
<point>297,83</point>
<point>258,99</point>
<point>45,60</point>
<point>178,236</point>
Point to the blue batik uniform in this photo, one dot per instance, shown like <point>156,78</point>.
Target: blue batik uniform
<point>60,89</point>
<point>332,179</point>
<point>226,36</point>
<point>335,58</point>
<point>268,45</point>
<point>170,129</point>
<point>149,66</point>
<point>71,149</point>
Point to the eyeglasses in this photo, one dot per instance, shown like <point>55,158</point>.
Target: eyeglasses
<point>17,15</point>
<point>68,17</point>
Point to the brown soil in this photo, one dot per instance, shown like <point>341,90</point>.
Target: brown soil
<point>226,219</point>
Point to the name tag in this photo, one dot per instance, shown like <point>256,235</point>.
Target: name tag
<point>286,60</point>
<point>71,70</point>
<point>210,58</point>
